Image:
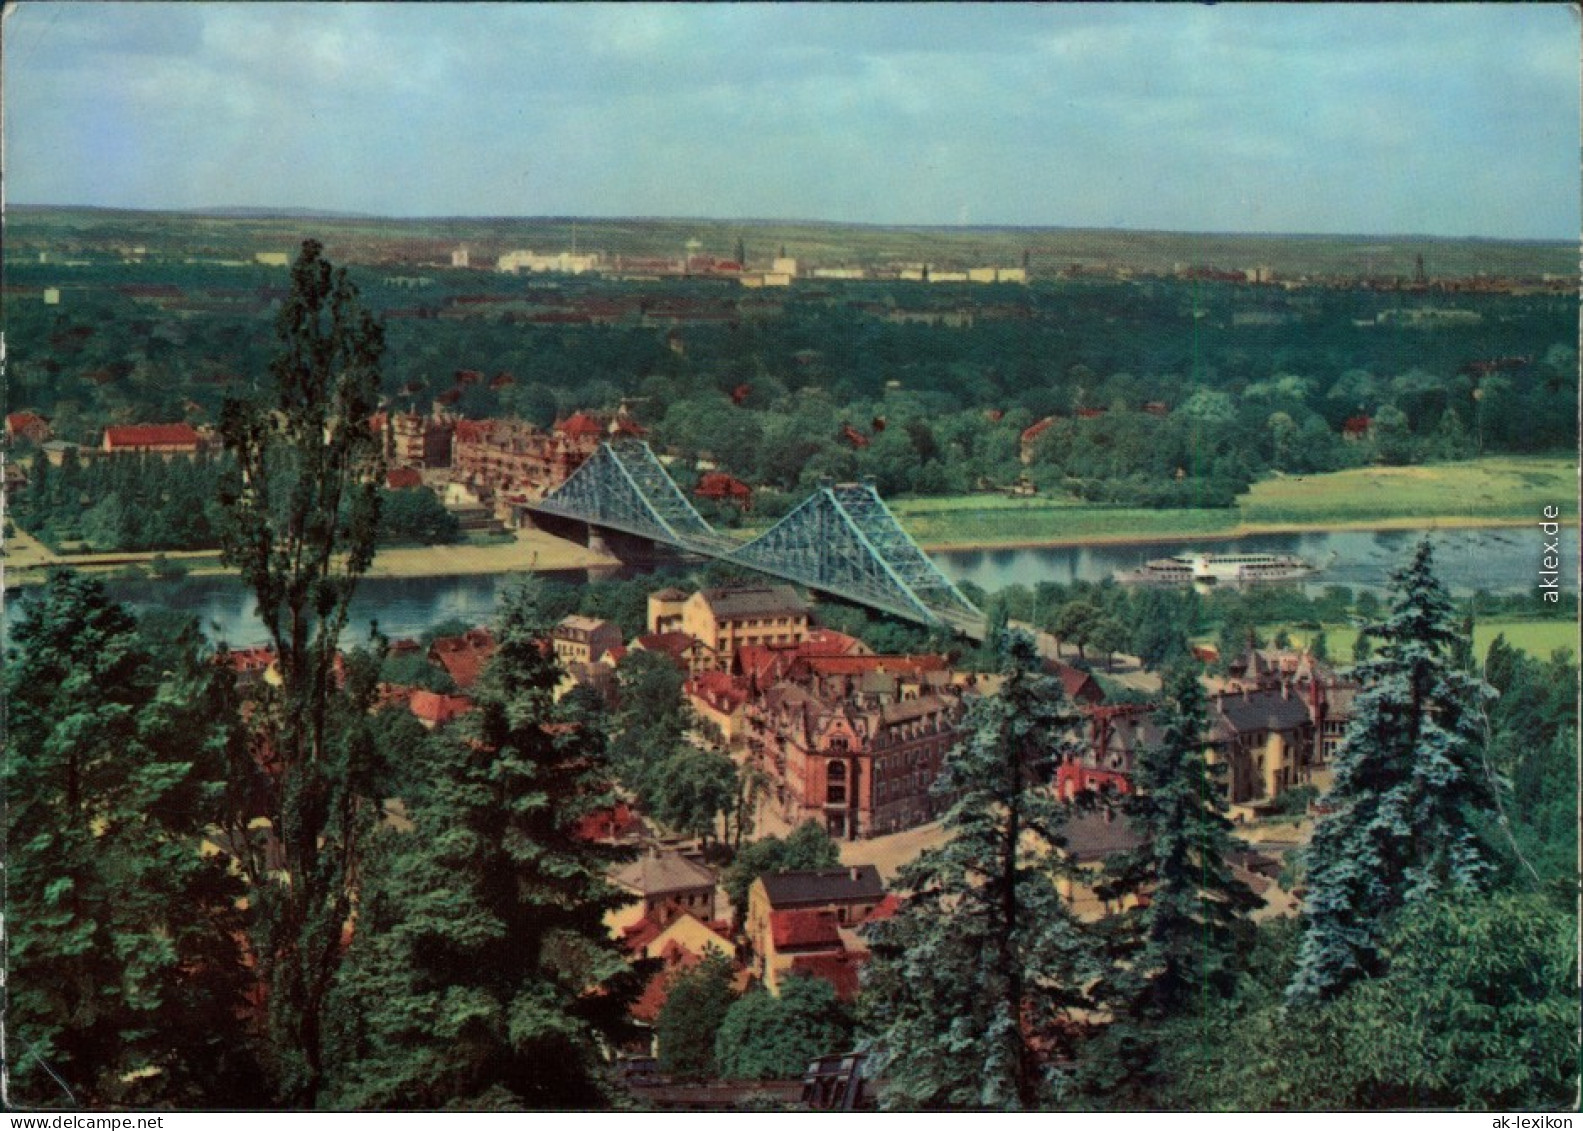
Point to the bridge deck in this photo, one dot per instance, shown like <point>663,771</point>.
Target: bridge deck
<point>841,540</point>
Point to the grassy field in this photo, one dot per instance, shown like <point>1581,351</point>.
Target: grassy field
<point>1502,487</point>
<point>1536,637</point>
<point>1478,492</point>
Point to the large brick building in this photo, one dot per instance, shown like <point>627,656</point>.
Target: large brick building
<point>421,441</point>
<point>861,762</point>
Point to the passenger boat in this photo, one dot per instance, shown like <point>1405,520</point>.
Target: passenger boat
<point>1217,569</point>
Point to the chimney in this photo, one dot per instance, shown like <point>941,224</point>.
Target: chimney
<point>854,872</point>
<point>1286,689</point>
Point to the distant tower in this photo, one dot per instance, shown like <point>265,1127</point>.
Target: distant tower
<point>459,257</point>
<point>1025,256</point>
<point>1419,277</point>
<point>741,253</point>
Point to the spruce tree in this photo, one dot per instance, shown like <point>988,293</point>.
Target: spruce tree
<point>301,511</point>
<point>1175,959</point>
<point>124,974</point>
<point>1189,935</point>
<point>481,974</point>
<point>1410,794</point>
<point>973,983</point>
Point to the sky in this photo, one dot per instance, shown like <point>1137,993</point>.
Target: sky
<point>1449,120</point>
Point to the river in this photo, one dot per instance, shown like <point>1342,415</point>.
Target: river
<point>1498,559</point>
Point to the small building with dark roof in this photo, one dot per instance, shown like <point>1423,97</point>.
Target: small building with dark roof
<point>664,885</point>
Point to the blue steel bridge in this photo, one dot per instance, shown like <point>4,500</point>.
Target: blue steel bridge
<point>842,540</point>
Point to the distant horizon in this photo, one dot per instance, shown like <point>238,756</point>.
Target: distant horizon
<point>293,212</point>
<point>1460,121</point>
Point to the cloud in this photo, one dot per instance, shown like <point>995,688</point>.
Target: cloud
<point>1321,117</point>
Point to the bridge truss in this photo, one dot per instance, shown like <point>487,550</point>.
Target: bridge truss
<point>841,540</point>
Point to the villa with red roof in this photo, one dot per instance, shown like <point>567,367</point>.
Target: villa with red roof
<point>29,426</point>
<point>463,657</point>
<point>158,439</point>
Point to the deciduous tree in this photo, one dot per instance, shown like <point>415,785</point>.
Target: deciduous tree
<point>301,513</point>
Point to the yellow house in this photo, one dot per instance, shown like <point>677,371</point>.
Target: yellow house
<point>729,618</point>
<point>687,933</point>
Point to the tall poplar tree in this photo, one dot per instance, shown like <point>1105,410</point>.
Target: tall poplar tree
<point>973,983</point>
<point>1411,792</point>
<point>301,511</point>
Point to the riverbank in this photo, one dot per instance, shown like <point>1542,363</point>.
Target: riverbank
<point>1230,534</point>
<point>1497,491</point>
<point>27,559</point>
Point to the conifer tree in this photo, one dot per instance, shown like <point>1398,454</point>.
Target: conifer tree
<point>1411,791</point>
<point>972,982</point>
<point>124,975</point>
<point>1187,938</point>
<point>481,974</point>
<point>1176,957</point>
<point>301,512</point>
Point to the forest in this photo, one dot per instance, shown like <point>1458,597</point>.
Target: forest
<point>279,895</point>
<point>1165,393</point>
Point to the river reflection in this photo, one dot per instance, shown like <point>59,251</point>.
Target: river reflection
<point>1505,559</point>
<point>1498,559</point>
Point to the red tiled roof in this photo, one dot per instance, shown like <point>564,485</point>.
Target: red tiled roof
<point>805,929</point>
<point>829,642</point>
<point>764,664</point>
<point>18,421</point>
<point>720,689</point>
<point>638,936</point>
<point>852,436</point>
<point>841,970</point>
<point>672,644</point>
<point>432,707</point>
<point>861,665</point>
<point>609,823</point>
<point>579,424</point>
<point>463,657</point>
<point>1076,682</point>
<point>1034,431</point>
<point>150,436</point>
<point>884,909</point>
<point>250,659</point>
<point>403,478</point>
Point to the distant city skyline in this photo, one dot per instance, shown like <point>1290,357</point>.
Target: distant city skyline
<point>1440,120</point>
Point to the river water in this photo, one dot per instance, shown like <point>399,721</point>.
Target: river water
<point>1498,559</point>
